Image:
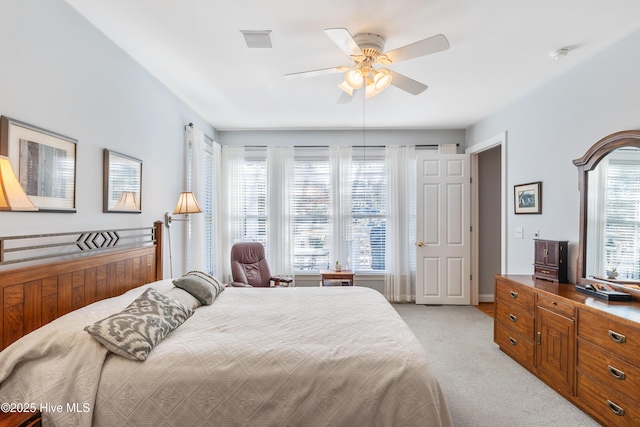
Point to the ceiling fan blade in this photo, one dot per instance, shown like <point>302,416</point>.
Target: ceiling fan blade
<point>420,48</point>
<point>407,84</point>
<point>314,73</point>
<point>343,38</point>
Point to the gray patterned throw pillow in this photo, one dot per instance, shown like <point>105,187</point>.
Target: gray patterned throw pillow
<point>202,286</point>
<point>136,330</point>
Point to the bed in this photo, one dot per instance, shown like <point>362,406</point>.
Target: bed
<point>260,357</point>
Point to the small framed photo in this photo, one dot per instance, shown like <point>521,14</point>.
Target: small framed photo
<point>44,162</point>
<point>122,183</point>
<point>527,198</point>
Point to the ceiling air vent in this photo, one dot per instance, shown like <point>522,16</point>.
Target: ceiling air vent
<point>257,39</point>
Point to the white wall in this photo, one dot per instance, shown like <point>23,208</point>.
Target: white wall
<point>58,72</point>
<point>551,127</point>
<point>371,137</point>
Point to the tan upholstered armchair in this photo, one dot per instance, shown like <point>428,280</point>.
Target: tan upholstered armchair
<point>249,267</point>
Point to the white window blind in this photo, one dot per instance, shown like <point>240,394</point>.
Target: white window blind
<point>253,203</point>
<point>369,196</point>
<point>322,230</point>
<point>311,212</point>
<point>622,219</point>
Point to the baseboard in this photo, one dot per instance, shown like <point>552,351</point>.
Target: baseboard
<point>485,298</point>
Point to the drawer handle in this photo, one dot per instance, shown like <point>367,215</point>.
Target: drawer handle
<point>619,338</point>
<point>617,373</point>
<point>513,318</point>
<point>513,294</point>
<point>615,408</point>
<point>513,341</point>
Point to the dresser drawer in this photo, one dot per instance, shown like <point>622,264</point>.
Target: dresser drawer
<point>621,340</point>
<point>611,408</point>
<point>609,370</point>
<point>515,320</point>
<point>515,345</point>
<point>546,272</point>
<point>516,296</point>
<point>556,305</point>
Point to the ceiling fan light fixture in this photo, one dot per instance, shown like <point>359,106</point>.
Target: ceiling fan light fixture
<point>382,79</point>
<point>370,90</point>
<point>345,87</point>
<point>354,78</point>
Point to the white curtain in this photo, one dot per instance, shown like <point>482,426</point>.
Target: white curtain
<point>401,222</point>
<point>279,249</point>
<point>195,229</point>
<point>217,212</point>
<point>340,163</point>
<point>231,211</point>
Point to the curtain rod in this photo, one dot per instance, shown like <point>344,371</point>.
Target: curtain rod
<point>190,125</point>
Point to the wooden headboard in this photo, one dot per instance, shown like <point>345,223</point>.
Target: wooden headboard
<point>106,263</point>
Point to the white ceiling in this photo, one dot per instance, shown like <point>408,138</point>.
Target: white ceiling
<point>499,52</point>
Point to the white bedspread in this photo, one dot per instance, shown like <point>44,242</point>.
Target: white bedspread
<point>337,356</point>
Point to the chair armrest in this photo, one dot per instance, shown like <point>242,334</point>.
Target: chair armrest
<point>240,285</point>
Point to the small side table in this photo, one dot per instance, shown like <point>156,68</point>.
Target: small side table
<point>336,278</point>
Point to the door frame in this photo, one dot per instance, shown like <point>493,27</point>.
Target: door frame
<point>474,150</point>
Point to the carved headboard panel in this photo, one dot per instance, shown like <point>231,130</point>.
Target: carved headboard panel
<point>37,294</point>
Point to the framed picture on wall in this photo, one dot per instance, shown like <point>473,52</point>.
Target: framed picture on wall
<point>528,198</point>
<point>122,183</point>
<point>44,162</point>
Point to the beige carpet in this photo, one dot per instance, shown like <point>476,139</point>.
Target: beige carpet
<point>482,385</point>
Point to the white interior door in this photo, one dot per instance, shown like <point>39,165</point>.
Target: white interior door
<point>443,247</point>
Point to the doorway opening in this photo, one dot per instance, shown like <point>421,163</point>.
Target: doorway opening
<point>488,215</point>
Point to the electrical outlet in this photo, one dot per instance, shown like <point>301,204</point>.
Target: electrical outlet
<point>519,233</point>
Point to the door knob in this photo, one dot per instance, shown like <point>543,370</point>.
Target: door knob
<point>419,244</point>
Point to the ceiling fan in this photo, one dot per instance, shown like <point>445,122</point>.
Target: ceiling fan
<point>366,50</point>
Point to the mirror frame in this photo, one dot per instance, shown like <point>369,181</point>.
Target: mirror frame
<point>586,163</point>
<point>110,157</point>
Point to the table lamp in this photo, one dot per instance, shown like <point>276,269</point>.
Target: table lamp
<point>12,196</point>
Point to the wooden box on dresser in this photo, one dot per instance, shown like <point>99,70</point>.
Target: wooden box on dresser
<point>550,260</point>
<point>586,349</point>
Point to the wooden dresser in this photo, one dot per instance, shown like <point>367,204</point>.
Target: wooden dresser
<point>586,349</point>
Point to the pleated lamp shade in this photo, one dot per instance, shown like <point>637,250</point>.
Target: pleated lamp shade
<point>187,204</point>
<point>128,202</point>
<point>12,196</point>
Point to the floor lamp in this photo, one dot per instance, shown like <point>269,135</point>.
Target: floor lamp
<point>187,204</point>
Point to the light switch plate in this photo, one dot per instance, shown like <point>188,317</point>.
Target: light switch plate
<point>519,233</point>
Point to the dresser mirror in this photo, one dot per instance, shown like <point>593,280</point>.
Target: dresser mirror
<point>609,181</point>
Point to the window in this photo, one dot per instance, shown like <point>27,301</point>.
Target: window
<point>622,218</point>
<point>311,213</point>
<point>368,210</point>
<point>250,211</point>
<point>336,206</point>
